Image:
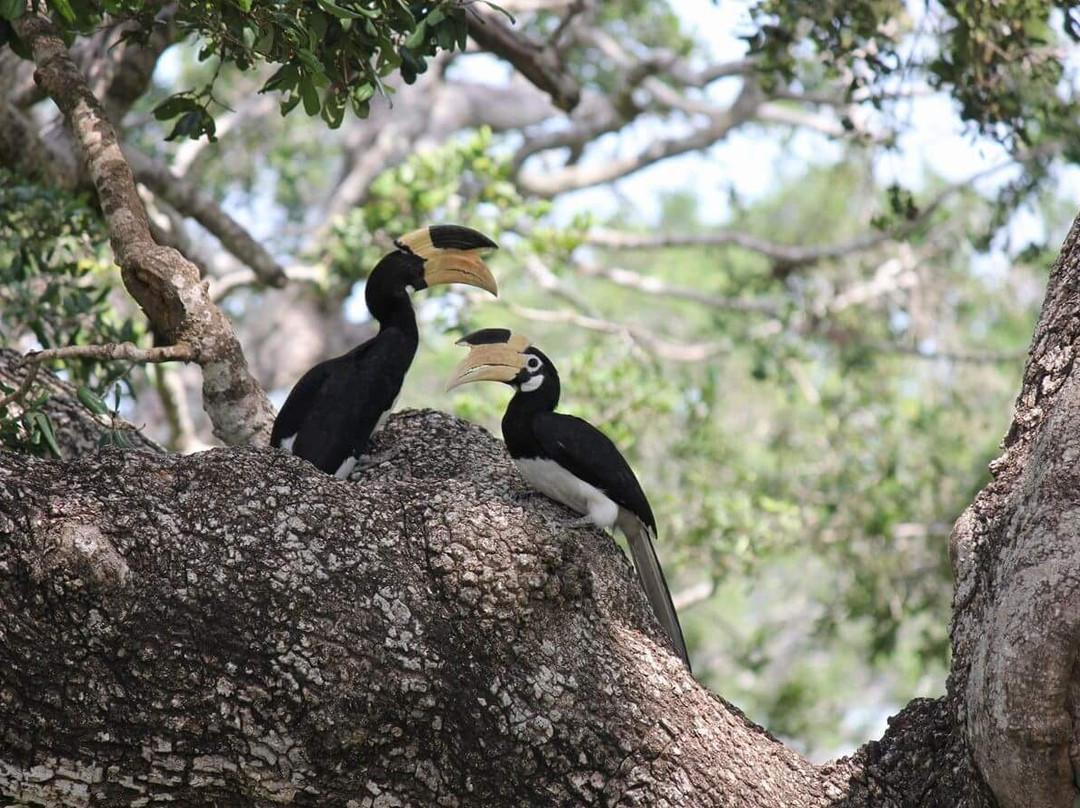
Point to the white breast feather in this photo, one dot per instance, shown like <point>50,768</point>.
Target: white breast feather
<point>552,480</point>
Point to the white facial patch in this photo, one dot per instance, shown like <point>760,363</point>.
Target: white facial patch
<point>409,288</point>
<point>531,384</point>
<point>552,480</point>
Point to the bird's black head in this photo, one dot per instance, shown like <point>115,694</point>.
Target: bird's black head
<point>497,354</point>
<point>428,257</point>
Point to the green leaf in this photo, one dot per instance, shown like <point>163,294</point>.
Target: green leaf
<point>284,79</point>
<point>418,37</point>
<point>65,9</point>
<point>333,110</point>
<point>310,96</point>
<point>12,9</point>
<point>187,126</point>
<point>90,400</point>
<point>173,106</point>
<point>362,93</point>
<point>345,13</point>
<point>43,426</point>
<point>245,5</point>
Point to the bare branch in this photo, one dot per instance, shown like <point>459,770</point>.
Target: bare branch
<point>694,595</point>
<point>125,351</point>
<point>550,282</point>
<point>172,393</point>
<point>636,335</point>
<point>164,283</point>
<point>654,286</point>
<point>551,183</point>
<point>787,255</point>
<point>221,288</point>
<point>539,62</point>
<point>192,201</point>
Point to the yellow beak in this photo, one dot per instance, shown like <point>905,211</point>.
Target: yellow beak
<point>453,266</point>
<point>496,363</point>
<point>451,254</point>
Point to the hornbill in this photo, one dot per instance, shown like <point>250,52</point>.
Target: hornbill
<point>332,411</point>
<point>569,459</point>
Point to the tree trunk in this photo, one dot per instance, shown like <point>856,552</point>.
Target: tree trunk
<point>235,628</point>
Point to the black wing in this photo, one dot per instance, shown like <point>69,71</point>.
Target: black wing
<point>589,454</point>
<point>299,403</point>
<point>359,389</point>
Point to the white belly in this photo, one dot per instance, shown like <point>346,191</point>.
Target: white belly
<point>552,480</point>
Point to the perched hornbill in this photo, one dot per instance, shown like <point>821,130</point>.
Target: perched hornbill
<point>330,414</point>
<point>569,459</point>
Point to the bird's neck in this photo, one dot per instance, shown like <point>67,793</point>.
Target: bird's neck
<point>398,315</point>
<point>517,420</point>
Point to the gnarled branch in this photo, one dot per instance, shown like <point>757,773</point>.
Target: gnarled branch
<point>164,283</point>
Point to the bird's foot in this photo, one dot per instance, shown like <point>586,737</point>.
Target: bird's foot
<point>581,522</point>
<point>366,462</point>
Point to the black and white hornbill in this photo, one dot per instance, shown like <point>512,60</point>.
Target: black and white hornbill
<point>569,459</point>
<point>332,411</point>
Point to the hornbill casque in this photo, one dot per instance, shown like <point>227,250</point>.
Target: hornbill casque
<point>332,411</point>
<point>568,459</point>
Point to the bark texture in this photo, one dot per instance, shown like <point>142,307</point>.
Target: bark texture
<point>1016,567</point>
<point>235,626</point>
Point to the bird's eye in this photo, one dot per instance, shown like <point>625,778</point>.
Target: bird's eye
<point>533,364</point>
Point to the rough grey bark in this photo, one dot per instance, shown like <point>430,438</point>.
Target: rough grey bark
<point>235,626</point>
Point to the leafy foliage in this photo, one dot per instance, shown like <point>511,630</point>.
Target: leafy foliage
<point>330,55</point>
<point>56,279</point>
<point>1000,60</point>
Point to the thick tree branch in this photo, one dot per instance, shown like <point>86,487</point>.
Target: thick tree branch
<point>539,62</point>
<point>166,286</point>
<point>1015,557</point>
<point>256,632</point>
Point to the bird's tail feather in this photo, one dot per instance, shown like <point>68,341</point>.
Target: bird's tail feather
<point>639,538</point>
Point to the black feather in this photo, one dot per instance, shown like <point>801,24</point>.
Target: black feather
<point>456,237</point>
<point>486,336</point>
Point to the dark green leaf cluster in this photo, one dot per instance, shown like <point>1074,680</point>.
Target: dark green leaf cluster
<point>56,278</point>
<point>331,54</point>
